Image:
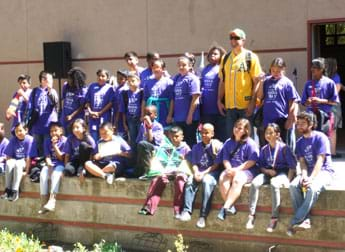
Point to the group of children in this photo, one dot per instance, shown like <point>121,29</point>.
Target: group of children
<point>136,128</point>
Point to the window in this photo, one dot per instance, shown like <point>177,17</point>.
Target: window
<point>334,34</point>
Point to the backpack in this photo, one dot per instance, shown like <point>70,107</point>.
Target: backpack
<point>248,61</point>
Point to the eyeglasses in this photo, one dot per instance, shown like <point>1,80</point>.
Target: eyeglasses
<point>235,38</point>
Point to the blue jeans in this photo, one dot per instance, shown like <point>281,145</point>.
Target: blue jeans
<point>133,128</point>
<point>209,182</point>
<point>232,115</point>
<point>302,204</point>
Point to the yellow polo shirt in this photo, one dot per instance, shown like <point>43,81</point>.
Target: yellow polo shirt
<point>238,82</point>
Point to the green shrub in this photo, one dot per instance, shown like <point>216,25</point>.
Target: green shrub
<point>18,242</point>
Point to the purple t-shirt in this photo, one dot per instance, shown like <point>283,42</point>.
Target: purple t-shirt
<point>183,149</point>
<point>73,99</point>
<point>72,146</point>
<point>247,151</point>
<point>133,108</point>
<point>145,75</point>
<point>159,93</point>
<point>201,156</point>
<point>46,108</point>
<point>98,96</point>
<point>209,90</point>
<point>277,94</point>
<point>18,149</point>
<point>336,78</point>
<point>184,87</point>
<point>20,112</point>
<point>124,147</point>
<point>282,154</point>
<point>325,88</point>
<point>50,152</point>
<point>157,132</point>
<point>309,148</point>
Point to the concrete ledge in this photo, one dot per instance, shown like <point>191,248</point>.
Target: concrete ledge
<point>96,210</point>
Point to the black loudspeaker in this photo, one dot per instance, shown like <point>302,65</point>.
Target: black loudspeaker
<point>57,58</point>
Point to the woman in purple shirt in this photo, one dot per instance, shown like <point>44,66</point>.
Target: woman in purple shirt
<point>239,156</point>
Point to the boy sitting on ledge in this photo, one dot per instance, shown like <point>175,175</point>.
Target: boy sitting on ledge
<point>112,154</point>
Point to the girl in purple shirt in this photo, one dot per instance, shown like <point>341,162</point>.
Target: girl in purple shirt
<point>73,95</point>
<point>54,157</point>
<point>277,165</point>
<point>19,151</point>
<point>239,156</point>
<point>99,98</point>
<point>209,92</point>
<point>78,149</point>
<point>186,100</point>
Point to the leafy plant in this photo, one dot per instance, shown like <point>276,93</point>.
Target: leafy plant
<point>18,242</point>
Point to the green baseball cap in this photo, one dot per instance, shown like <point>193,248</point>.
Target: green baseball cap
<point>238,33</point>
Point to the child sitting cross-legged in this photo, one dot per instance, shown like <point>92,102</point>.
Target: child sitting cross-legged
<point>112,155</point>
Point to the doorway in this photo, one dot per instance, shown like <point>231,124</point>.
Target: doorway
<point>326,38</point>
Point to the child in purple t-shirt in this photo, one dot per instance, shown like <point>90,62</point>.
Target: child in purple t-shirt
<point>19,102</point>
<point>121,78</point>
<point>99,98</point>
<point>19,151</point>
<point>147,73</point>
<point>239,156</point>
<point>78,149</point>
<point>3,144</point>
<point>132,61</point>
<point>280,102</point>
<point>320,94</point>
<point>209,92</point>
<point>150,137</point>
<point>130,108</point>
<point>277,164</point>
<point>206,172</point>
<point>54,157</point>
<point>73,95</point>
<point>159,183</point>
<point>44,100</point>
<point>186,100</point>
<point>158,91</point>
<point>112,154</point>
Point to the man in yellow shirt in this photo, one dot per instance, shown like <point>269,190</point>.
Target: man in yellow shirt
<point>240,74</point>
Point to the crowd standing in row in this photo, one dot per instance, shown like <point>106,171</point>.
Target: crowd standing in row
<point>136,129</point>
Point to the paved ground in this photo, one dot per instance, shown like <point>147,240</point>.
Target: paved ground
<point>339,167</point>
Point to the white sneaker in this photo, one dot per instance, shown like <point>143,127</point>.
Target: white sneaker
<point>201,223</point>
<point>185,216</point>
<point>177,216</point>
<point>50,206</point>
<point>109,178</point>
<point>250,222</point>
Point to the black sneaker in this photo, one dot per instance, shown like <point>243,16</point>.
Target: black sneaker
<point>7,193</point>
<point>14,196</point>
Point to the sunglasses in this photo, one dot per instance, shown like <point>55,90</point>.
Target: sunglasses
<point>235,38</point>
